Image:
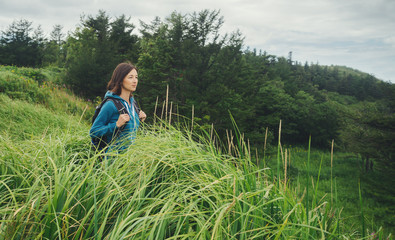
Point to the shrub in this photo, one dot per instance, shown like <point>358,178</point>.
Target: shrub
<point>23,88</point>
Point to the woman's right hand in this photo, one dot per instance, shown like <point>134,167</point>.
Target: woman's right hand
<point>123,118</point>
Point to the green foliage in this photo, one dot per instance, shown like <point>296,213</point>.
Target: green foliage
<point>21,120</point>
<point>187,53</point>
<point>54,50</point>
<point>33,73</point>
<point>41,86</point>
<point>88,66</point>
<point>20,46</point>
<point>370,131</point>
<point>167,184</point>
<point>346,170</point>
<point>164,186</point>
<point>347,81</point>
<point>17,86</point>
<point>210,73</point>
<point>124,41</point>
<point>94,50</point>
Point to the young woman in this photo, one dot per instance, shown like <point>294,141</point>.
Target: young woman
<point>119,130</point>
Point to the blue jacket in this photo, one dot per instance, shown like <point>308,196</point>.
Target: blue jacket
<point>105,124</point>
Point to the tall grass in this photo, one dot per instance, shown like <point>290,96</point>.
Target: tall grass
<point>330,186</point>
<point>173,183</point>
<point>307,183</point>
<point>362,215</point>
<point>168,185</point>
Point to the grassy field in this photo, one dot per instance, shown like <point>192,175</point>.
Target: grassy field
<point>171,184</point>
<point>340,181</point>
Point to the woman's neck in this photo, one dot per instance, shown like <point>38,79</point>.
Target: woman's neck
<point>125,95</point>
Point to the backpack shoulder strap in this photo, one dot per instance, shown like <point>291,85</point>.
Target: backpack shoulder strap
<point>121,109</point>
<point>118,104</point>
<point>136,107</point>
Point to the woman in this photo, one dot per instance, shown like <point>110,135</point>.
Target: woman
<point>119,130</point>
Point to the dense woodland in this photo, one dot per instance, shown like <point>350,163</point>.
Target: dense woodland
<point>218,77</point>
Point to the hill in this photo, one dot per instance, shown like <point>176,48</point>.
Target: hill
<point>173,183</point>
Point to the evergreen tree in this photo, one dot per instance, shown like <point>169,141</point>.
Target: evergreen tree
<point>54,52</point>
<point>94,50</point>
<point>187,53</point>
<point>21,45</point>
<point>125,42</point>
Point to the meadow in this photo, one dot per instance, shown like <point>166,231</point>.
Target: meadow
<point>173,183</point>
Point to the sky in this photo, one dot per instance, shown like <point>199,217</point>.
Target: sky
<point>359,34</point>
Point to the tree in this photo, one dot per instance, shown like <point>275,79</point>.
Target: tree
<point>94,50</point>
<point>21,45</point>
<point>274,104</point>
<point>57,35</point>
<point>54,51</point>
<point>125,42</point>
<point>187,53</point>
<point>370,132</point>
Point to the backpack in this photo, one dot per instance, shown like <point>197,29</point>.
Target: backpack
<point>99,143</point>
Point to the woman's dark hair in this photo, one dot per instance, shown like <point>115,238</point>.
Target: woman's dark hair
<point>120,72</point>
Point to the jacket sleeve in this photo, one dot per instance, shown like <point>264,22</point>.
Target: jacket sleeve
<point>102,125</point>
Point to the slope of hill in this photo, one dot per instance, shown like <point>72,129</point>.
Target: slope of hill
<point>171,184</point>
<point>166,185</point>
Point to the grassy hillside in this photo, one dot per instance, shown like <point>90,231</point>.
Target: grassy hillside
<point>171,184</point>
<point>42,86</point>
<point>165,186</point>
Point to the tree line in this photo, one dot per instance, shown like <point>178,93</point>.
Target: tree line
<point>217,76</point>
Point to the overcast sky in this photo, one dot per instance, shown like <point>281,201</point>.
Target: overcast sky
<point>355,33</point>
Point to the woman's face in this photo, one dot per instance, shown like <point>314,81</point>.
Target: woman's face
<point>130,81</point>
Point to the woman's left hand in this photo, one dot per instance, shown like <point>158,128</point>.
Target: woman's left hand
<point>142,116</point>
